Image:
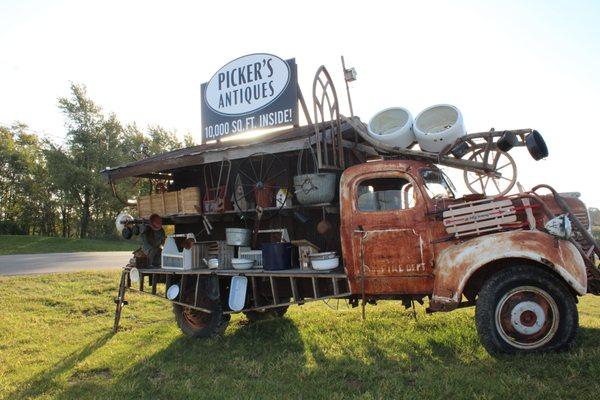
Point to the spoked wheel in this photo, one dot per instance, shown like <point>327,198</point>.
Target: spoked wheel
<point>261,175</point>
<point>496,183</point>
<point>335,304</point>
<point>525,309</point>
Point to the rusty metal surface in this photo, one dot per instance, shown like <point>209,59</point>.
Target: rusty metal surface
<point>386,252</point>
<point>408,252</point>
<point>457,262</point>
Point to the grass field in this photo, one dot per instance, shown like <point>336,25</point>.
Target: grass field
<point>14,244</point>
<point>55,342</point>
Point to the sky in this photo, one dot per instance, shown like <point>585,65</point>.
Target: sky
<point>504,64</point>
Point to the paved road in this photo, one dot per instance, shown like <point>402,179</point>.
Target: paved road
<point>21,264</point>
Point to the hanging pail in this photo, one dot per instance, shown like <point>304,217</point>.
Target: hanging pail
<point>238,236</point>
<point>438,126</point>
<point>313,188</point>
<point>393,126</point>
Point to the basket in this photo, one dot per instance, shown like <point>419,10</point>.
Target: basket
<point>212,249</point>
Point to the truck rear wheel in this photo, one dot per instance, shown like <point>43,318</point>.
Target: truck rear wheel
<point>198,324</point>
<point>270,313</point>
<point>524,309</point>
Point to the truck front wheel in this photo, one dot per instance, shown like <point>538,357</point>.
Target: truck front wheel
<point>525,309</point>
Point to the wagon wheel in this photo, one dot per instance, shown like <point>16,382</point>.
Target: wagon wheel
<point>496,183</point>
<point>261,176</point>
<point>334,304</point>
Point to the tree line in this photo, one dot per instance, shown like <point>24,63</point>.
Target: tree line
<point>55,189</point>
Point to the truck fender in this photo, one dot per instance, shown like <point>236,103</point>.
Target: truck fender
<point>456,264</point>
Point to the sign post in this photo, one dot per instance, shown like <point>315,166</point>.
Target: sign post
<point>257,91</point>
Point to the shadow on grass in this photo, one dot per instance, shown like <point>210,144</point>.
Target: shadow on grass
<point>46,380</point>
<point>273,359</point>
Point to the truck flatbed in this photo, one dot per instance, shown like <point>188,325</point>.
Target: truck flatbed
<point>286,287</point>
<point>294,272</point>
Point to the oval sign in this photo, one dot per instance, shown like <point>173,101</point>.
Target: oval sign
<point>247,84</point>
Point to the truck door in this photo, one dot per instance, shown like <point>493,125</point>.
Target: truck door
<point>390,241</point>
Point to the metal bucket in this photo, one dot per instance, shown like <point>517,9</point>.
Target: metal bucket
<point>315,188</point>
<point>238,236</point>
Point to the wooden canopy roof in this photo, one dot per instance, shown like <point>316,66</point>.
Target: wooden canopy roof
<point>276,142</point>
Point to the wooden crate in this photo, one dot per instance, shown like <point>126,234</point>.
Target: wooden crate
<point>144,206</point>
<point>170,203</point>
<point>212,249</point>
<point>157,200</point>
<point>188,199</point>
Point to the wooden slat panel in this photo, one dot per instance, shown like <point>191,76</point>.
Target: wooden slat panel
<point>482,224</point>
<point>480,216</point>
<point>468,208</point>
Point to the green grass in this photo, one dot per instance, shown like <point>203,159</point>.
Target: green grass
<point>55,342</point>
<point>14,244</point>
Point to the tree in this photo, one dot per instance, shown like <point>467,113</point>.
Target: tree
<point>53,189</point>
<point>93,142</point>
<point>26,193</point>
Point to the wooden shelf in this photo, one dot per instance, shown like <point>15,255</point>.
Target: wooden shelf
<point>271,209</point>
<point>335,210</point>
<point>296,273</point>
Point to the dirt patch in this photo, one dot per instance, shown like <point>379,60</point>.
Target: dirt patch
<point>90,374</point>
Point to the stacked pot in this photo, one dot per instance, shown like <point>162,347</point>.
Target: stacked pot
<point>434,128</point>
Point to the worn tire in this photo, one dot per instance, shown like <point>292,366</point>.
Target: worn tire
<point>270,313</point>
<point>525,309</point>
<point>197,324</point>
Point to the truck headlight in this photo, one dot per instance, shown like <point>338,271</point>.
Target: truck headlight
<point>560,227</point>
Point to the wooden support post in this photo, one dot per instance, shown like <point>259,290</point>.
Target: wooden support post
<point>294,289</point>
<point>315,287</point>
<point>336,288</point>
<point>141,282</point>
<point>274,290</point>
<point>181,286</point>
<point>167,284</point>
<point>196,291</point>
<point>254,291</point>
<point>154,282</point>
<point>304,108</point>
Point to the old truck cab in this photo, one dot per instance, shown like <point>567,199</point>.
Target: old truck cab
<point>406,236</point>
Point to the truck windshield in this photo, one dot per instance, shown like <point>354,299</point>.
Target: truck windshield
<point>438,185</point>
